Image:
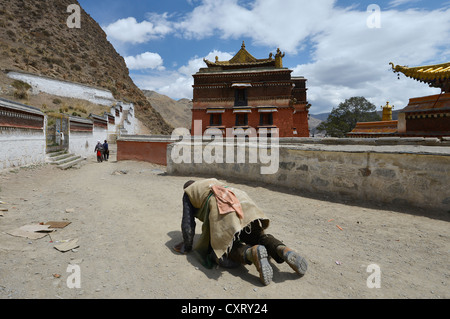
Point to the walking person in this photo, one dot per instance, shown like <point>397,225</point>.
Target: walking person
<point>106,151</point>
<point>99,150</point>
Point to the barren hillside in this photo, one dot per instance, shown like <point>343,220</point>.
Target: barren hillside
<point>34,37</point>
<point>177,113</point>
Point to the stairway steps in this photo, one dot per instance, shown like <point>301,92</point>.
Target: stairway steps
<point>71,163</point>
<point>60,157</point>
<point>57,153</point>
<point>63,159</point>
<point>66,160</point>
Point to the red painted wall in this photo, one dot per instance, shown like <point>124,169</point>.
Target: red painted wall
<point>284,119</point>
<point>300,119</point>
<point>147,151</point>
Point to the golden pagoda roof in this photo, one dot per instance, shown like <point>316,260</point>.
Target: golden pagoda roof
<point>243,59</point>
<point>374,128</point>
<point>436,75</point>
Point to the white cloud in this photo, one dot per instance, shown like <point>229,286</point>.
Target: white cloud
<point>147,60</point>
<point>128,30</point>
<point>196,63</point>
<point>177,84</point>
<point>350,59</point>
<point>170,83</point>
<point>396,3</point>
<point>268,22</point>
<point>347,57</point>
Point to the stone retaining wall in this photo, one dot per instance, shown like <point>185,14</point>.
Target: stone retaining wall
<point>399,171</point>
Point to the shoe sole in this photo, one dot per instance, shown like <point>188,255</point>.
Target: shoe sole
<point>262,265</point>
<point>296,262</point>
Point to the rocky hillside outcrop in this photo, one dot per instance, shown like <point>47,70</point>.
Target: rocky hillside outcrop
<point>177,113</point>
<point>35,38</point>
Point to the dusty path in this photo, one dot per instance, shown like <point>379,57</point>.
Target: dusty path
<point>127,223</point>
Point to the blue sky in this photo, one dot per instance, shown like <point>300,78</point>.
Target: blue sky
<point>342,47</point>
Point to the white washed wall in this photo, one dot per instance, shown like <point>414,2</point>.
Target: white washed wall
<point>82,143</point>
<point>99,134</point>
<point>130,124</point>
<point>21,148</point>
<point>65,89</point>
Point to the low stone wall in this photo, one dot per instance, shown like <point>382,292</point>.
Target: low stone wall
<point>398,171</point>
<point>152,149</point>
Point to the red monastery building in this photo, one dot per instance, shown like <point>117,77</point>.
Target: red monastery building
<point>246,92</point>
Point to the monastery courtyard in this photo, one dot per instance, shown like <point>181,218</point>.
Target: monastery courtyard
<point>127,216</point>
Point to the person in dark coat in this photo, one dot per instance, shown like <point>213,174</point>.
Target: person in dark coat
<point>106,151</point>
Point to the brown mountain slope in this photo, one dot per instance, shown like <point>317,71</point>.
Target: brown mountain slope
<point>34,37</point>
<point>177,113</point>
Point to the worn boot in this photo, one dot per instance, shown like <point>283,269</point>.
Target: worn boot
<point>293,259</point>
<point>258,256</point>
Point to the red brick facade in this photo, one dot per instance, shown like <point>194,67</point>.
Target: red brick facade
<point>249,93</point>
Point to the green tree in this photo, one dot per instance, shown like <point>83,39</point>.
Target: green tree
<point>343,119</point>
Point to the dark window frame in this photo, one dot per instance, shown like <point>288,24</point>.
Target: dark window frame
<point>241,119</point>
<point>240,97</point>
<point>215,119</point>
<point>266,119</point>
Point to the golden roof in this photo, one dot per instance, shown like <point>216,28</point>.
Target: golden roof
<point>433,74</point>
<point>375,128</point>
<point>244,59</point>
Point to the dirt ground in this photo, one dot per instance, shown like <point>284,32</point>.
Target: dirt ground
<point>127,216</point>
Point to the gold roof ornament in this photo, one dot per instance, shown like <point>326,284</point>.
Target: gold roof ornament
<point>387,112</point>
<point>437,75</point>
<point>387,106</point>
<point>279,59</point>
<point>243,59</point>
<point>243,56</point>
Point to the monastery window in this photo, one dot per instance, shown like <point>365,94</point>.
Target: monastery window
<point>241,119</point>
<point>215,119</point>
<point>240,97</point>
<point>265,119</point>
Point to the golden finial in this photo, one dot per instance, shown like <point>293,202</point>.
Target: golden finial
<point>387,105</point>
<point>243,45</point>
<point>387,112</point>
<point>279,59</point>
